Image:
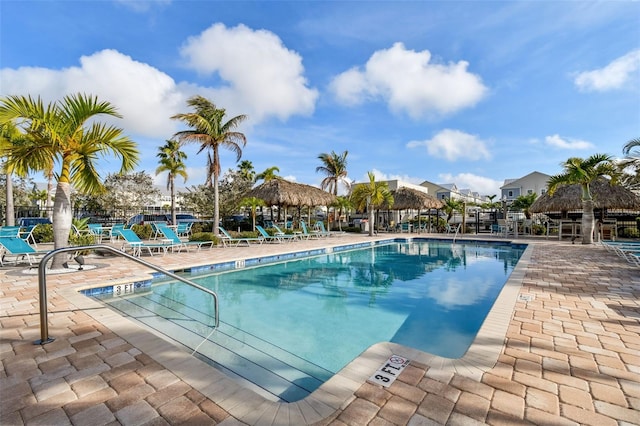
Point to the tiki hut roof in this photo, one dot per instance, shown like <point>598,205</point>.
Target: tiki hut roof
<point>569,197</point>
<point>408,198</point>
<point>280,192</point>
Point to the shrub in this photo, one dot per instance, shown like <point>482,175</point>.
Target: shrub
<point>204,236</point>
<point>81,239</point>
<point>629,233</point>
<point>354,229</point>
<point>43,233</point>
<point>142,231</point>
<point>538,229</point>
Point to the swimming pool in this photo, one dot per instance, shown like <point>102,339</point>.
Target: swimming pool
<point>290,326</point>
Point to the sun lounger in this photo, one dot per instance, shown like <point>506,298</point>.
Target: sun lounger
<point>322,231</point>
<point>133,242</point>
<point>306,233</point>
<point>171,235</point>
<point>9,231</point>
<point>227,238</point>
<point>16,246</point>
<point>276,238</point>
<point>279,231</point>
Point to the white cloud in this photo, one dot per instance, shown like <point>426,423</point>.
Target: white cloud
<point>454,145</point>
<point>564,143</point>
<point>263,78</point>
<point>143,6</point>
<point>143,95</point>
<point>480,184</point>
<point>410,82</point>
<point>613,76</point>
<point>381,176</point>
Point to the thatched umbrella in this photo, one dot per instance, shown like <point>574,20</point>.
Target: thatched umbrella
<point>280,192</point>
<point>569,197</point>
<point>408,198</point>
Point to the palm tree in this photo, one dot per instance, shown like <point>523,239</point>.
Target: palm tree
<point>268,174</point>
<point>68,132</point>
<point>342,204</point>
<point>172,161</point>
<point>253,203</point>
<point>368,196</point>
<point>211,131</point>
<point>246,170</point>
<point>334,167</point>
<point>9,136</point>
<point>451,206</point>
<point>583,172</point>
<point>523,202</point>
<point>631,165</point>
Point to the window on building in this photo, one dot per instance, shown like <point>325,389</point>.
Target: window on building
<point>510,193</point>
<point>529,191</point>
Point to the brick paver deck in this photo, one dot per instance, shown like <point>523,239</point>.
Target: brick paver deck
<point>571,355</point>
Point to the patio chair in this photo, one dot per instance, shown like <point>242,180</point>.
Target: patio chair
<point>98,231</point>
<point>277,238</point>
<point>16,246</point>
<point>453,229</point>
<point>133,242</point>
<point>171,235</point>
<point>9,231</point>
<point>183,229</point>
<point>305,231</point>
<point>26,233</point>
<point>279,231</point>
<point>321,230</point>
<point>227,238</point>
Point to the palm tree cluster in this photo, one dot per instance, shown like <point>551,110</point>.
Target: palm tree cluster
<point>35,137</point>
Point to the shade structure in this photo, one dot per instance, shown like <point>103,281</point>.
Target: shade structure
<point>605,196</point>
<point>408,198</point>
<point>281,192</point>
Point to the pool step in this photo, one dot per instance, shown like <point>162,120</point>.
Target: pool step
<point>280,373</point>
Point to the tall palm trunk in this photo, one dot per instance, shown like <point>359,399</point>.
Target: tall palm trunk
<point>10,209</point>
<point>587,221</point>
<point>172,189</point>
<point>61,221</point>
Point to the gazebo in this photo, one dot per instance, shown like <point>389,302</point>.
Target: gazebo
<point>411,199</point>
<point>283,193</point>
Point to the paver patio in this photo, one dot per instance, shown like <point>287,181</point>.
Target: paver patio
<point>571,356</point>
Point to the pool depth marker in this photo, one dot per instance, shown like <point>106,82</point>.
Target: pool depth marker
<point>389,371</point>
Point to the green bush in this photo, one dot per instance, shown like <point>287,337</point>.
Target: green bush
<point>43,233</point>
<point>143,231</point>
<point>81,239</point>
<point>629,233</point>
<point>354,229</point>
<point>538,229</point>
<point>204,236</point>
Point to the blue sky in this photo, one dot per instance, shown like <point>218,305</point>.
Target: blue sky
<point>466,92</point>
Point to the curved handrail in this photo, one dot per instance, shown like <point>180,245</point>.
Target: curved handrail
<point>42,284</point>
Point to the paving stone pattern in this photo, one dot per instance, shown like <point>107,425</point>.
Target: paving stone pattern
<point>571,357</point>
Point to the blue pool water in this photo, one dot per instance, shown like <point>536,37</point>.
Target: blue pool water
<point>306,319</point>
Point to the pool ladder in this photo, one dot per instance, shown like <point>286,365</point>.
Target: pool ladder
<point>42,284</point>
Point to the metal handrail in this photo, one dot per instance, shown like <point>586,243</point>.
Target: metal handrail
<point>42,284</point>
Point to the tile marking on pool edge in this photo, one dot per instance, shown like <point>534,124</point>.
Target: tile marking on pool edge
<point>389,371</point>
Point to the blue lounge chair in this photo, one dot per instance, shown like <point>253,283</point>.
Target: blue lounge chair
<point>305,231</point>
<point>279,231</point>
<point>9,231</point>
<point>16,246</point>
<point>227,238</point>
<point>26,233</point>
<point>183,229</point>
<point>98,231</point>
<point>276,238</point>
<point>133,242</point>
<point>170,234</point>
<point>321,230</point>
